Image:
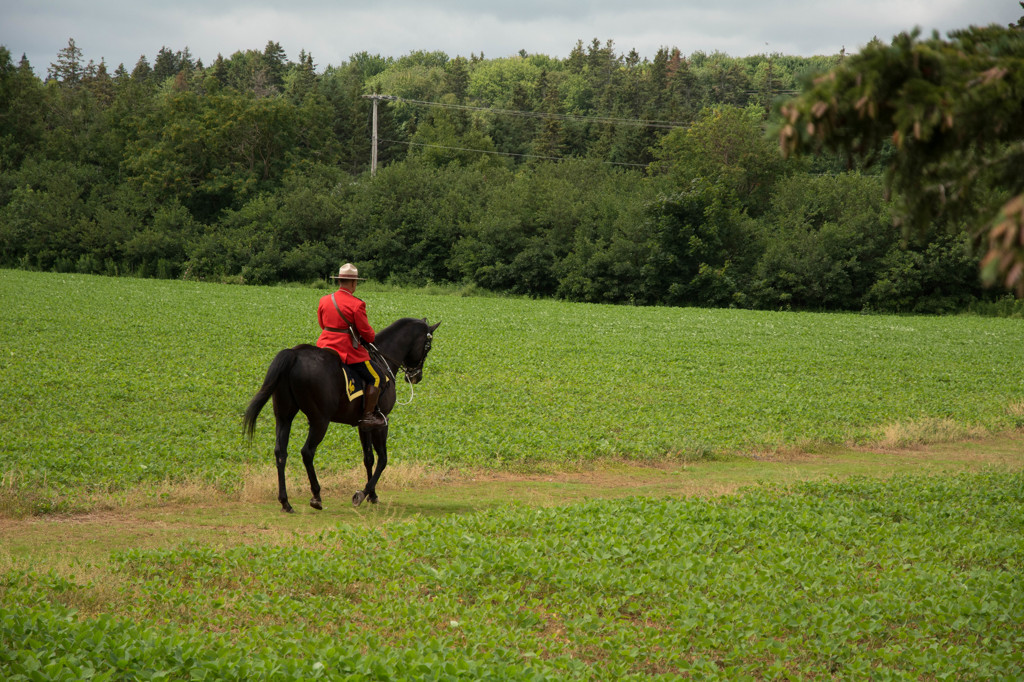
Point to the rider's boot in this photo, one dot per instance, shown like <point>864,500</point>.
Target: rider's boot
<point>371,419</point>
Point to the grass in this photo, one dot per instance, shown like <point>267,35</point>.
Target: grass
<point>115,384</point>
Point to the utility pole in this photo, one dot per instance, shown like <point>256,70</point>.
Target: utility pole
<point>373,150</point>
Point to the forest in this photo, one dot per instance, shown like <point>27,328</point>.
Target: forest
<point>601,177</point>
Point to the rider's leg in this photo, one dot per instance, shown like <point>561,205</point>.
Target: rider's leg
<point>371,418</point>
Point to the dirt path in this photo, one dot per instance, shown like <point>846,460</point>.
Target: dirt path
<point>197,516</point>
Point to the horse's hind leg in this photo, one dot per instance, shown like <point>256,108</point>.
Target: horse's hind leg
<point>283,429</point>
<point>317,431</point>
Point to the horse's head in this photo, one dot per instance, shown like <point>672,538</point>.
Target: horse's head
<point>417,351</point>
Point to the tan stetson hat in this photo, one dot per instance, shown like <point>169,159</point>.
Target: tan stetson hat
<point>348,271</point>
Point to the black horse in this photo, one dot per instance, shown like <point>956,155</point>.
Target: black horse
<point>309,379</point>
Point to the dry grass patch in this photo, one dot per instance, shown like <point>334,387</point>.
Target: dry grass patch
<point>1016,410</point>
<point>902,435</point>
<point>259,484</point>
<point>251,484</point>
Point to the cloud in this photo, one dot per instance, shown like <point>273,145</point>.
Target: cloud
<point>120,31</point>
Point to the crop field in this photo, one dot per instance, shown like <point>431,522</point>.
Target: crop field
<point>114,385</point>
<point>110,384</point>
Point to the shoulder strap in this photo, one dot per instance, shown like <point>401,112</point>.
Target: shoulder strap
<point>338,308</point>
<point>351,330</point>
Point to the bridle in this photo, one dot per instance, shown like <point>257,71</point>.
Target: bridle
<point>412,374</point>
<point>417,372</point>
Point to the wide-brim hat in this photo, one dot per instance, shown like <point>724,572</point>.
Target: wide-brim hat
<point>347,271</point>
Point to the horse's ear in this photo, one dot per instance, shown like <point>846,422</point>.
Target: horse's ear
<point>431,329</point>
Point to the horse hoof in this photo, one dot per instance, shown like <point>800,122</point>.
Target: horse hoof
<point>288,510</point>
<point>316,504</point>
<point>373,500</point>
<point>358,498</point>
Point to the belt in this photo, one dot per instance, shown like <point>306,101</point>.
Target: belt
<point>336,329</point>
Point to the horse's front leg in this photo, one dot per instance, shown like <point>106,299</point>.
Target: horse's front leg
<point>367,444</point>
<point>380,444</point>
<point>368,439</point>
<point>317,431</point>
<point>371,440</point>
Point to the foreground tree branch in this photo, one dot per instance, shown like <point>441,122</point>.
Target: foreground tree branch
<point>947,119</point>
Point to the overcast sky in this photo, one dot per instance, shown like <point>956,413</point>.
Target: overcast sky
<point>120,31</point>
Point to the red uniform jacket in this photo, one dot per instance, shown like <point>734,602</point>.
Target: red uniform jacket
<point>355,312</point>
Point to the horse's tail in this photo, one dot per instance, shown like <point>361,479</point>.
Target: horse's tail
<point>279,368</point>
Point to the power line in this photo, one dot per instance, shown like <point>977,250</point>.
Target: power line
<point>536,114</point>
<point>510,112</point>
<point>497,153</point>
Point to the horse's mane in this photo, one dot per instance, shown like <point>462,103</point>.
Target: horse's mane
<point>394,326</point>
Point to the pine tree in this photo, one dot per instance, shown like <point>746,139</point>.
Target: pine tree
<point>67,70</point>
<point>302,79</point>
<point>551,139</point>
<point>457,78</point>
<point>274,64</point>
<point>141,71</point>
<point>99,82</point>
<point>166,65</point>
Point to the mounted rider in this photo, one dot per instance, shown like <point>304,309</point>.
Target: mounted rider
<point>346,330</point>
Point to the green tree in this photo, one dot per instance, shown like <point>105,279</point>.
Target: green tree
<point>824,240</point>
<point>684,99</point>
<point>443,140</point>
<point>21,100</point>
<point>97,79</point>
<point>725,147</point>
<point>214,152</point>
<point>159,249</point>
<point>402,223</point>
<point>613,243</point>
<point>534,222</point>
<point>937,277</point>
<point>458,78</point>
<point>47,202</point>
<point>418,75</point>
<point>365,65</point>
<point>550,140</point>
<point>350,124</point>
<point>74,118</point>
<point>142,70</point>
<point>722,80</point>
<point>693,235</point>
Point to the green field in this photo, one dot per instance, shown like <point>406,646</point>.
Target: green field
<point>113,384</point>
<point>116,390</point>
<point>902,578</point>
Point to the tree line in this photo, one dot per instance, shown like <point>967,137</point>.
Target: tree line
<point>601,177</point>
